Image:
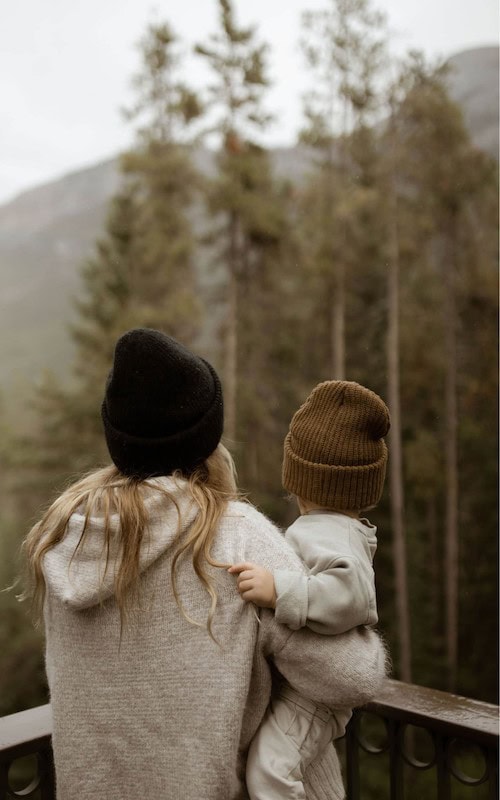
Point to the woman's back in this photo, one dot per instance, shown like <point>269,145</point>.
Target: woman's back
<point>159,709</point>
<point>162,710</point>
<point>158,672</point>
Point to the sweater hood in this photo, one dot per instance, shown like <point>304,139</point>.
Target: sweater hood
<point>79,576</point>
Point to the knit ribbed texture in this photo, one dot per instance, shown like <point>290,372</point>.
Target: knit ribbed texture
<point>163,406</point>
<point>323,779</point>
<point>334,453</point>
<point>164,712</point>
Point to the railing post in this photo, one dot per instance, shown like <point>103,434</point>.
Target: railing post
<point>4,779</point>
<point>352,759</point>
<point>443,772</point>
<point>47,772</point>
<point>395,760</point>
<point>492,756</point>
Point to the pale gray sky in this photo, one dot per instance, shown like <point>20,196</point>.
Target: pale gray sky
<point>65,68</point>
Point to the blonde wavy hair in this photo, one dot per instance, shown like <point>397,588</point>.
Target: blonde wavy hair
<point>107,491</point>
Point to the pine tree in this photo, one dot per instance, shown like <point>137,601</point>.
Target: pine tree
<point>141,273</point>
<point>269,361</point>
<point>444,181</point>
<point>344,47</point>
<point>161,172</point>
<point>396,478</point>
<point>235,104</point>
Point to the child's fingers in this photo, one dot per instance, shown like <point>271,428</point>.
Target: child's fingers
<point>246,575</point>
<point>243,565</point>
<point>249,596</point>
<point>245,585</point>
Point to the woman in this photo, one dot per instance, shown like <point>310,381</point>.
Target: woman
<point>158,671</point>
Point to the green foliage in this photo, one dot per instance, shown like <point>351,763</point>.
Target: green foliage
<point>450,193</point>
<point>345,49</point>
<point>238,63</point>
<point>247,209</point>
<point>22,677</point>
<point>374,768</point>
<point>141,273</point>
<point>164,105</point>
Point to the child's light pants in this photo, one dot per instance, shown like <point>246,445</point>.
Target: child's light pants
<point>293,732</point>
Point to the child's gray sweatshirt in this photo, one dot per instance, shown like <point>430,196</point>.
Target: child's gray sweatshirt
<point>338,593</point>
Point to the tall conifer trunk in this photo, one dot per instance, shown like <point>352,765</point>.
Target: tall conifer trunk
<point>344,46</point>
<point>395,439</point>
<point>338,308</point>
<point>238,62</point>
<point>231,354</point>
<point>337,327</point>
<point>451,457</point>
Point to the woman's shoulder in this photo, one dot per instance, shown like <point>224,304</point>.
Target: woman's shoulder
<point>247,517</point>
<point>244,510</point>
<point>257,538</point>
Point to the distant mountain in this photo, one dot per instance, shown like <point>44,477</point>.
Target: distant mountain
<point>474,85</point>
<point>46,233</point>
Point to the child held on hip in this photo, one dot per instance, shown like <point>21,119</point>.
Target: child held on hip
<point>334,462</point>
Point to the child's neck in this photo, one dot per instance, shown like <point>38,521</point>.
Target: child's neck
<point>306,507</point>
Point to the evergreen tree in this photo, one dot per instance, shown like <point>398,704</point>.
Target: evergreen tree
<point>444,182</point>
<point>235,103</point>
<point>344,47</point>
<point>160,169</point>
<point>141,273</point>
<point>69,438</point>
<point>392,154</point>
<point>269,380</point>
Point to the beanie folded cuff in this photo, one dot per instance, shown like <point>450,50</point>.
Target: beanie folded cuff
<point>349,488</point>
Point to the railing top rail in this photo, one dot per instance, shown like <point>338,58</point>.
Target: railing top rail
<point>25,731</point>
<point>450,714</point>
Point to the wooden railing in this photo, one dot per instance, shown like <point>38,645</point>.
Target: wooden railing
<point>433,745</point>
<point>27,733</point>
<point>408,730</point>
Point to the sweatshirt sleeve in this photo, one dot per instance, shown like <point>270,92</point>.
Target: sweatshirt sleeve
<point>340,671</point>
<point>339,597</point>
<point>336,592</point>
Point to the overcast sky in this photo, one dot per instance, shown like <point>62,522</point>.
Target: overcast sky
<point>65,68</point>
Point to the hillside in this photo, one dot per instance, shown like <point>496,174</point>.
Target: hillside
<point>47,232</point>
<point>474,85</point>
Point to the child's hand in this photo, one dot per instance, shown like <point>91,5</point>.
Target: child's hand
<point>255,584</point>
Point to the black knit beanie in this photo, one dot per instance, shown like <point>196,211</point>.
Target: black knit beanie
<point>163,406</point>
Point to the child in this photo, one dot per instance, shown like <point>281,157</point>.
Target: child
<point>334,462</point>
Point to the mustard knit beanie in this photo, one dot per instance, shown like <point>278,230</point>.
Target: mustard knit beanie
<point>334,453</point>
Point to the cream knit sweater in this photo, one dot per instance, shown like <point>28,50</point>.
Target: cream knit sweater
<point>168,714</point>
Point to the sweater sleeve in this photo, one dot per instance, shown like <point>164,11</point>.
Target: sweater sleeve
<point>340,671</point>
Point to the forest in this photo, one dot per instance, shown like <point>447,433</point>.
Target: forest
<point>378,265</point>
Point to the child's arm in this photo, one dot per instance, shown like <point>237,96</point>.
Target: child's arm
<point>332,600</point>
<point>335,600</point>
